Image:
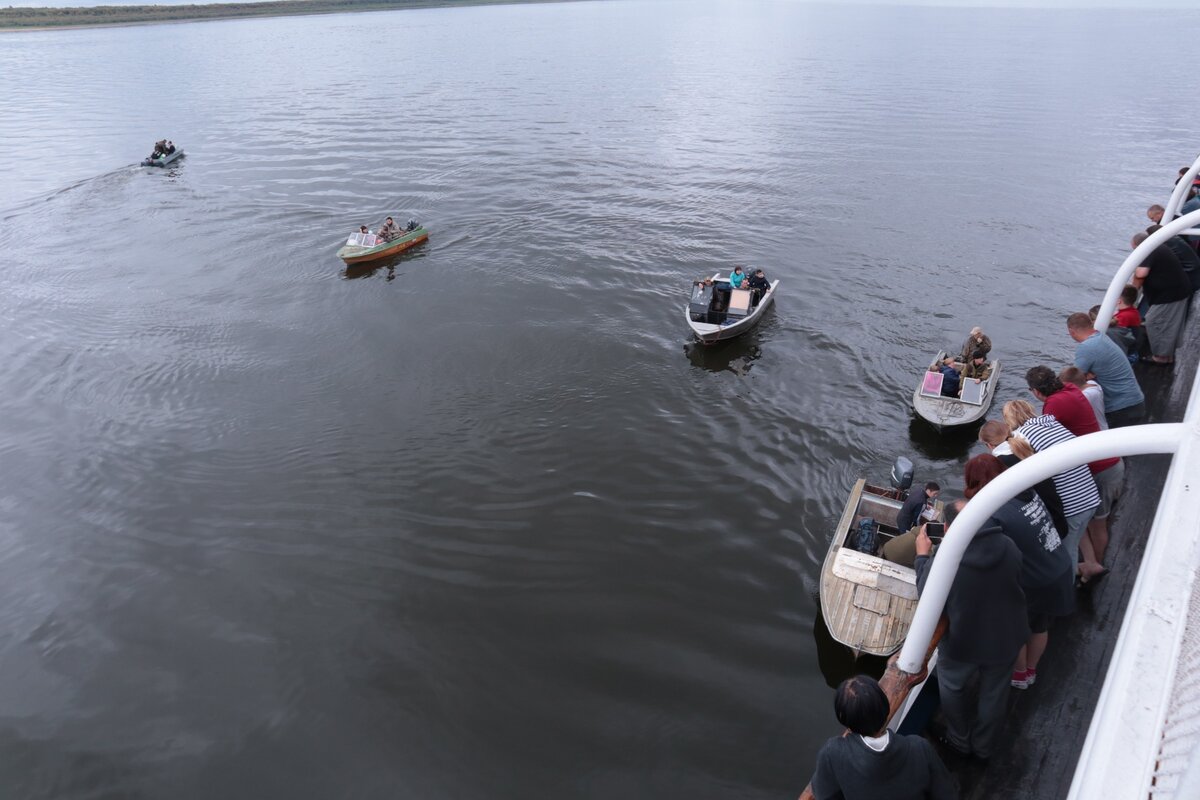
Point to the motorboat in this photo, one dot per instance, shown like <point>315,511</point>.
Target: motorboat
<point>972,403</point>
<point>718,312</point>
<point>867,601</point>
<point>362,247</point>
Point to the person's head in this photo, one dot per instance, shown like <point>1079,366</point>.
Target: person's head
<point>948,361</point>
<point>737,270</point>
<point>993,433</point>
<point>932,490</point>
<point>1042,381</point>
<point>390,221</point>
<point>1017,413</point>
<point>1128,297</point>
<point>1137,239</point>
<point>979,472</point>
<point>976,332</point>
<point>362,228</point>
<point>760,273</point>
<point>952,510</point>
<point>861,705</point>
<point>1079,326</point>
<point>1073,375</point>
<point>1093,312</point>
<point>1020,446</point>
<point>1155,213</point>
<point>978,356</point>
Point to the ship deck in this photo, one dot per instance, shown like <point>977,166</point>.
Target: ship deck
<point>1048,723</point>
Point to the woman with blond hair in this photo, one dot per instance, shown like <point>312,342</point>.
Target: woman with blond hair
<point>1075,486</point>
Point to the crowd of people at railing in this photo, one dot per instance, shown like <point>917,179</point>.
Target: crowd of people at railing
<point>1025,565</point>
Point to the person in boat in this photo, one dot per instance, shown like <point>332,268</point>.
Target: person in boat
<point>988,625</point>
<point>976,341</point>
<point>918,508</point>
<point>872,762</point>
<point>950,376</point>
<point>169,149</point>
<point>1047,574</point>
<point>977,368</point>
<point>758,285</point>
<point>160,149</point>
<point>388,230</point>
<point>737,278</point>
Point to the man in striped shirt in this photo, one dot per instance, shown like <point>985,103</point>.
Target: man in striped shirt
<point>1075,486</point>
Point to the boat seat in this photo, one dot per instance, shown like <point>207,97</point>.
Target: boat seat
<point>875,573</point>
<point>739,302</point>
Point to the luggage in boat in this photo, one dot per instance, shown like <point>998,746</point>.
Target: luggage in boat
<point>866,538</point>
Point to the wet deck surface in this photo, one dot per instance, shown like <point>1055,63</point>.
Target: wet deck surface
<point>1048,723</point>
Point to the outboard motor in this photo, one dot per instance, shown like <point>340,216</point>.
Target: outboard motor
<point>412,225</point>
<point>902,474</point>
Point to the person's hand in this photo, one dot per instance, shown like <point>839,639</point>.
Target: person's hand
<point>924,544</point>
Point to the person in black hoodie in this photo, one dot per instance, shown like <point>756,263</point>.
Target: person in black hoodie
<point>869,762</point>
<point>987,627</point>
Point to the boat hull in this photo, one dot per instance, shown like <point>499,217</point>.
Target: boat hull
<point>163,160</point>
<point>949,412</point>
<point>706,333</point>
<point>353,254</point>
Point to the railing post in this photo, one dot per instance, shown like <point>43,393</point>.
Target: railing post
<point>1129,441</point>
<point>1134,260</point>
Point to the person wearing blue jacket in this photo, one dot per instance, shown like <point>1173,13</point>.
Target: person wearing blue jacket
<point>737,278</point>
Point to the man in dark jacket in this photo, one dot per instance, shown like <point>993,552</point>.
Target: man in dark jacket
<point>870,762</point>
<point>988,625</point>
<point>910,513</point>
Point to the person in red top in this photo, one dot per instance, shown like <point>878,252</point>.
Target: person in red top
<point>1127,315</point>
<point>1066,403</point>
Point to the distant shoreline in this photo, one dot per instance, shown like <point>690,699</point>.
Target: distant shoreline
<point>42,19</point>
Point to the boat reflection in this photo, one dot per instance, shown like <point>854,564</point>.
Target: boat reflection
<point>837,662</point>
<point>947,443</point>
<point>735,355</point>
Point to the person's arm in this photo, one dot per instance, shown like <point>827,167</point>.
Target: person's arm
<point>824,780</point>
<point>1139,276</point>
<point>941,785</point>
<point>924,547</point>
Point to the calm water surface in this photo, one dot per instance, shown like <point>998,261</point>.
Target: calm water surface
<point>481,523</point>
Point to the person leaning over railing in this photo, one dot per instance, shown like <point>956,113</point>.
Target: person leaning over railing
<point>869,762</point>
<point>1166,290</point>
<point>986,629</point>
<point>1066,403</point>
<point>1076,486</point>
<point>1099,357</point>
<point>1047,574</point>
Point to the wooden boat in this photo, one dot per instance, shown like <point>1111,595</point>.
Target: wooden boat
<point>358,249</point>
<point>162,161</point>
<point>945,412</point>
<point>868,602</point>
<point>718,312</point>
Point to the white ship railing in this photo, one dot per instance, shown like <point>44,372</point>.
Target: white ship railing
<point>1134,260</point>
<point>1144,739</point>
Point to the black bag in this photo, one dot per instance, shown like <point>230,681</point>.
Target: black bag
<point>866,539</point>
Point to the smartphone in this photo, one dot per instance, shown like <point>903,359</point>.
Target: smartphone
<point>935,529</point>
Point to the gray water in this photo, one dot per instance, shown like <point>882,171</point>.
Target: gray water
<point>481,522</point>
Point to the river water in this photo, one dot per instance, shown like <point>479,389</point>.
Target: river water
<point>481,523</point>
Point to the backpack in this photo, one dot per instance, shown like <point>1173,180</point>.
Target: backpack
<point>866,538</point>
